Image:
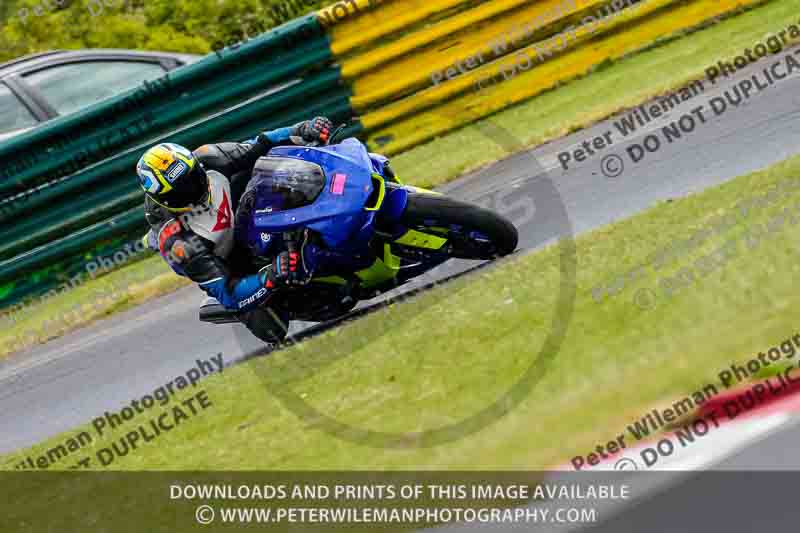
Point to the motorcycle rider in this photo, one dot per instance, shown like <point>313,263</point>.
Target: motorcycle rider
<point>190,202</point>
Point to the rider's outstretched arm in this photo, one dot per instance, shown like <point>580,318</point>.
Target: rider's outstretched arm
<point>230,158</point>
<point>307,133</point>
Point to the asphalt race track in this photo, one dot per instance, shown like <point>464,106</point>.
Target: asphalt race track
<point>73,379</point>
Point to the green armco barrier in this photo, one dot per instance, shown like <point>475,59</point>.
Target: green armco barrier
<point>185,99</point>
<point>126,222</point>
<point>42,280</point>
<point>46,225</point>
<point>335,106</point>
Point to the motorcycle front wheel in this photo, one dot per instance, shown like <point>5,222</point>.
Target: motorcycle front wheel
<point>472,232</point>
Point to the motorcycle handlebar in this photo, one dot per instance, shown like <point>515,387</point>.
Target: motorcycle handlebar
<point>332,137</point>
<point>290,240</point>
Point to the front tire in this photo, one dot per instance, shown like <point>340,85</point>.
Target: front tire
<point>472,232</point>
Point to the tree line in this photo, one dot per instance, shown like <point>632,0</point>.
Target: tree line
<point>189,26</point>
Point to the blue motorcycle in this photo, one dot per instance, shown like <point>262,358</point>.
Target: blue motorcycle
<point>343,199</point>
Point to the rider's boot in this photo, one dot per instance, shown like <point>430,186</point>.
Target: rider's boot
<point>266,324</point>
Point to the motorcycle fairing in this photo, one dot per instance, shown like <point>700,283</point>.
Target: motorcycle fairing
<point>338,213</point>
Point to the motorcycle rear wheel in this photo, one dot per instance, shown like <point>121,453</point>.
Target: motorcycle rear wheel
<point>472,232</point>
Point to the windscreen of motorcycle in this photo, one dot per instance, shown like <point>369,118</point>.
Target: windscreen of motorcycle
<point>286,183</point>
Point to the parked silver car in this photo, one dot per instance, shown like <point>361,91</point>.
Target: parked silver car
<point>41,87</point>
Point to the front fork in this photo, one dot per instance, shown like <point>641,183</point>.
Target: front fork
<point>388,219</point>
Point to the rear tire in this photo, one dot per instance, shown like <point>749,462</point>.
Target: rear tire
<point>425,211</point>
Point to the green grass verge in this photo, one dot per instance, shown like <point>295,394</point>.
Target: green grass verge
<point>613,87</point>
<point>454,350</point>
<point>45,319</point>
<point>625,83</point>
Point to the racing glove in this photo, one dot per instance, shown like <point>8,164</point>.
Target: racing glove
<point>247,293</point>
<point>312,132</point>
<point>287,269</point>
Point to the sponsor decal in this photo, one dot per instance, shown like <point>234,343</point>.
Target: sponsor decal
<point>337,186</point>
<point>247,301</point>
<point>223,214</point>
<point>177,171</point>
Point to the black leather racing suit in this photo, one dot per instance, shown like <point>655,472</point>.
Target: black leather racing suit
<point>231,279</point>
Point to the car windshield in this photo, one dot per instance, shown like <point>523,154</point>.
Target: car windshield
<point>287,183</point>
